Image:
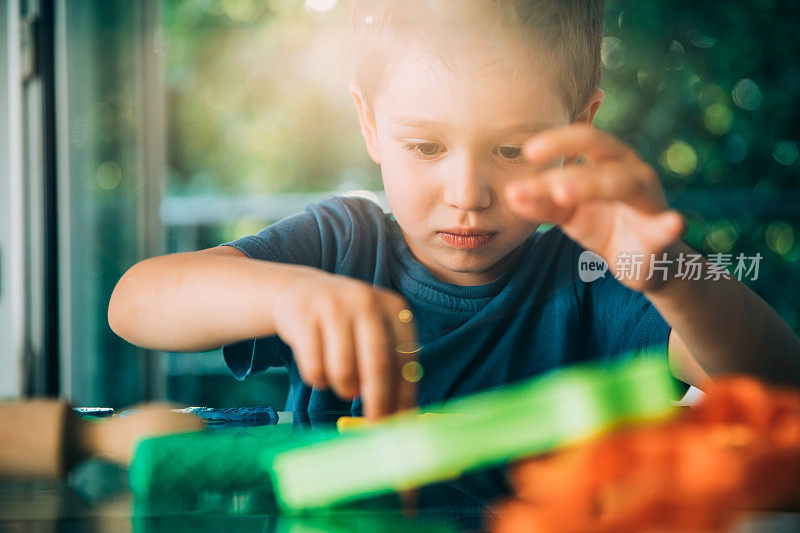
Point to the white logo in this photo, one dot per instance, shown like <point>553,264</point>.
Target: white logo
<point>591,266</point>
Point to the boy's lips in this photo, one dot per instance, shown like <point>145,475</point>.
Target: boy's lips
<point>466,238</point>
<point>466,231</point>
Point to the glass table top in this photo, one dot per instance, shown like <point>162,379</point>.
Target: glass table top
<point>95,496</point>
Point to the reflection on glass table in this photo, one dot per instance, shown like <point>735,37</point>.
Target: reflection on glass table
<point>96,496</point>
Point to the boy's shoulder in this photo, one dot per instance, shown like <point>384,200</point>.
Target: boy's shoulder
<point>346,206</point>
<point>349,203</point>
<point>349,214</point>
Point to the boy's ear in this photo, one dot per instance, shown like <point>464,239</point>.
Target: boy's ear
<point>588,115</point>
<point>366,120</point>
<point>591,108</point>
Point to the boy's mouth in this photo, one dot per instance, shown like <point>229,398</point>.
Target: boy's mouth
<point>464,238</point>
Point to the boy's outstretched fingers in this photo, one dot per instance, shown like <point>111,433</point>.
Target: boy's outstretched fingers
<point>572,141</point>
<point>531,198</point>
<point>632,183</point>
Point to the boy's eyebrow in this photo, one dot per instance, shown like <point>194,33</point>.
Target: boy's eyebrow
<point>524,127</point>
<point>414,122</point>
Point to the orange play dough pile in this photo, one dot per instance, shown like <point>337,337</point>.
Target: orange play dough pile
<point>738,450</point>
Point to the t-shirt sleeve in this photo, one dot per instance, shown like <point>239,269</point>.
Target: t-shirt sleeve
<point>318,237</point>
<point>620,322</point>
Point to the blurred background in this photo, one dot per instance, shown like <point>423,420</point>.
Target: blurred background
<point>137,128</point>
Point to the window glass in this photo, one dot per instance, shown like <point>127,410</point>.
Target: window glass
<point>257,122</point>
<point>101,183</point>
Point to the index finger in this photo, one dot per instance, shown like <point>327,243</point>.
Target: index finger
<point>376,368</point>
<point>574,140</point>
<point>406,348</point>
<point>386,344</point>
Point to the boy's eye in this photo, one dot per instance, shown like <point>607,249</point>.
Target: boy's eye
<point>509,152</point>
<point>425,149</point>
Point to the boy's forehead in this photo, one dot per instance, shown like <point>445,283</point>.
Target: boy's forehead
<point>427,90</point>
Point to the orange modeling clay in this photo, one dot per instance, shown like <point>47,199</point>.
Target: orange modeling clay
<point>738,450</point>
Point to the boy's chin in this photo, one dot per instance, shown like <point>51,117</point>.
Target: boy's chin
<point>479,261</point>
<point>471,265</point>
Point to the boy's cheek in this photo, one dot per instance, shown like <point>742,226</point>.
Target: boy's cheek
<point>409,199</point>
<point>394,162</point>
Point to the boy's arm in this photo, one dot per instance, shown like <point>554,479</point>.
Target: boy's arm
<point>196,301</point>
<point>721,326</point>
<point>614,205</point>
<point>344,333</point>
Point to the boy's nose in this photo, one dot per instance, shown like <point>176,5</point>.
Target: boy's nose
<point>466,188</point>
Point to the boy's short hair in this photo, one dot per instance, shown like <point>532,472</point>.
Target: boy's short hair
<point>566,33</point>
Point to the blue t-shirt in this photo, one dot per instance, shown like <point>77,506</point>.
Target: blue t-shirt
<point>537,316</point>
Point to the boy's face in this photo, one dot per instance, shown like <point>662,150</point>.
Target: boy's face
<point>448,141</point>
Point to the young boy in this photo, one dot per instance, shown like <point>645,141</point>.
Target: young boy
<point>479,113</point>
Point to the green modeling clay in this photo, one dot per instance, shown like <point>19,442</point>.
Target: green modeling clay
<point>315,469</point>
<point>492,427</point>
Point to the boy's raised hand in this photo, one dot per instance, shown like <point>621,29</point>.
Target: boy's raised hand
<point>352,337</point>
<point>612,204</point>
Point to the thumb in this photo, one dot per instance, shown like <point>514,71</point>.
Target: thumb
<point>663,229</point>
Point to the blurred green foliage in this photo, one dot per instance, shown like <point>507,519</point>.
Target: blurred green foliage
<point>257,99</point>
<point>706,91</point>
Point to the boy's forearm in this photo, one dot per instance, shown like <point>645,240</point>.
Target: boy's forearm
<point>728,328</point>
<point>197,301</point>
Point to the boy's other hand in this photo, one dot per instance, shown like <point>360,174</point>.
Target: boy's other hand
<point>352,337</point>
<point>612,203</point>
